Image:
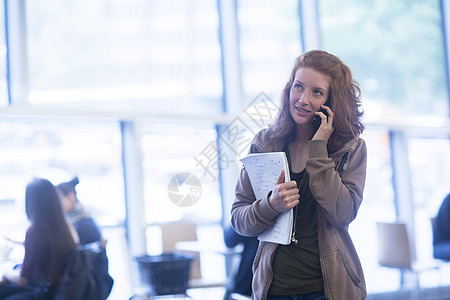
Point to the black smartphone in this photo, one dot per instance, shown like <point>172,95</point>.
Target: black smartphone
<point>317,120</point>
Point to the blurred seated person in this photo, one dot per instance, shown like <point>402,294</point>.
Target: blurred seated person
<point>242,281</point>
<point>441,231</point>
<point>87,229</point>
<point>49,243</point>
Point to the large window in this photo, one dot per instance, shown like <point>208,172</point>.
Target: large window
<point>269,43</point>
<point>92,65</point>
<point>3,63</point>
<point>138,56</point>
<point>396,51</point>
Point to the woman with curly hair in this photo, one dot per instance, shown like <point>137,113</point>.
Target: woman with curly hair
<point>318,127</point>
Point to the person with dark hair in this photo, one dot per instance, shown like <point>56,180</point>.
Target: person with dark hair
<point>90,237</point>
<point>318,127</point>
<point>49,243</point>
<point>86,227</point>
<point>441,231</point>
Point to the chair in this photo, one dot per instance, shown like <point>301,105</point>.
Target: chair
<point>395,250</point>
<point>86,276</point>
<point>186,231</point>
<point>181,231</point>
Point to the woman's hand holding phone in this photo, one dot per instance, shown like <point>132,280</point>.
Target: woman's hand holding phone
<point>325,129</point>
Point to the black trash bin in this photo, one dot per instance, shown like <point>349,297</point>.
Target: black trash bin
<point>165,274</point>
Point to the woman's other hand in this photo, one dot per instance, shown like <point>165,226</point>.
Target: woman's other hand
<point>284,194</point>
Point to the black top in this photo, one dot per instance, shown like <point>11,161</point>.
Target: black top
<point>88,231</point>
<point>296,267</point>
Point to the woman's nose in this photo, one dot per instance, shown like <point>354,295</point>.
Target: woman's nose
<point>304,99</point>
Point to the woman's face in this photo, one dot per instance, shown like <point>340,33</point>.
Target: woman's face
<point>308,92</point>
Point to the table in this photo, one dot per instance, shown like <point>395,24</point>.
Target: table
<point>232,257</point>
<point>230,254</point>
<point>200,246</point>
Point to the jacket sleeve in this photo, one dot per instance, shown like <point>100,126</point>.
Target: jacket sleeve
<point>250,216</point>
<point>338,191</point>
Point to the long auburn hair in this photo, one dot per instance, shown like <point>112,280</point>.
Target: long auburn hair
<point>52,242</point>
<point>344,99</point>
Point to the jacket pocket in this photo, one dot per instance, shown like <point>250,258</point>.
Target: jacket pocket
<point>341,279</point>
<point>350,267</point>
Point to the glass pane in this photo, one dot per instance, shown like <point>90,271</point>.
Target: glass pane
<point>396,51</point>
<point>57,151</point>
<point>269,33</point>
<point>3,61</point>
<point>429,160</point>
<point>377,205</point>
<point>169,153</point>
<point>141,55</point>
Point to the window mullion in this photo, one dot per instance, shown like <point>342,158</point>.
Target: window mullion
<point>16,43</point>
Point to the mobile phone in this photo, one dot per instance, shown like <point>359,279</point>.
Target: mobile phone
<point>317,119</point>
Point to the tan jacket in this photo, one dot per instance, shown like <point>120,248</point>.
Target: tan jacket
<point>337,184</point>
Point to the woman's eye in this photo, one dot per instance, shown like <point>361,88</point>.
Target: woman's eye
<point>297,85</point>
<point>318,93</point>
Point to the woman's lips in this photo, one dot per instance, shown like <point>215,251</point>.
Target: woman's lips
<point>301,111</point>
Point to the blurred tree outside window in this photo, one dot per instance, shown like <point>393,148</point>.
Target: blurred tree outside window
<point>396,51</point>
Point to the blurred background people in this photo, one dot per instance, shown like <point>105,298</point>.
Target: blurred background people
<point>49,243</point>
<point>441,231</point>
<point>86,227</point>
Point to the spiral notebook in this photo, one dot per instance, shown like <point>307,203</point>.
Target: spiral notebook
<point>263,170</point>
